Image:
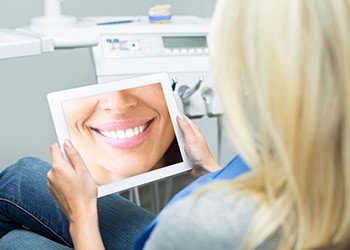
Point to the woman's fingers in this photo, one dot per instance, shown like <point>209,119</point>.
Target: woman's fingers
<point>56,155</point>
<point>185,128</point>
<point>194,127</point>
<point>196,147</point>
<point>74,156</point>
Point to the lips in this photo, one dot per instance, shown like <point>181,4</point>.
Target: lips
<point>124,134</point>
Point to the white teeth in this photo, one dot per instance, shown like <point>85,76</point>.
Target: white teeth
<point>142,128</point>
<point>108,134</point>
<point>113,134</point>
<point>129,133</point>
<point>124,134</point>
<point>121,134</point>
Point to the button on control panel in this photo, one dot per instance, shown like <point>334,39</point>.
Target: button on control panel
<point>187,51</point>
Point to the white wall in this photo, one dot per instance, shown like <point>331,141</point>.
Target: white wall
<point>25,125</point>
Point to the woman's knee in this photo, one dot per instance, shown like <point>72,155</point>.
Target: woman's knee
<point>28,172</point>
<point>27,166</point>
<point>31,163</point>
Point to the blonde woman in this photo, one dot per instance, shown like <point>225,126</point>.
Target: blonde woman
<point>283,70</point>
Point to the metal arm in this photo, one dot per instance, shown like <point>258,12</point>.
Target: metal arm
<point>186,92</point>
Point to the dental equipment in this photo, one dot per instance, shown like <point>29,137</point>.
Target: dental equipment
<point>66,31</point>
<point>207,95</point>
<point>185,92</point>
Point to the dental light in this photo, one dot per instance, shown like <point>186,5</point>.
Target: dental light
<point>66,31</point>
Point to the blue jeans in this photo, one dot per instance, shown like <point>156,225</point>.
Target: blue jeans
<point>30,217</point>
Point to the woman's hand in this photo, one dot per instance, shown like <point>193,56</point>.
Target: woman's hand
<point>71,183</point>
<point>76,192</point>
<point>196,148</point>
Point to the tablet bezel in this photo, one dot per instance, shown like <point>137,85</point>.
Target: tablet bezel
<point>56,99</point>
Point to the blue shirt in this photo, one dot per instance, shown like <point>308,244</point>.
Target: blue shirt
<point>232,170</point>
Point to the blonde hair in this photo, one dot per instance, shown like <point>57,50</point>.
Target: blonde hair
<point>288,63</point>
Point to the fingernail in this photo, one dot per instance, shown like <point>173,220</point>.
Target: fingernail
<point>68,143</point>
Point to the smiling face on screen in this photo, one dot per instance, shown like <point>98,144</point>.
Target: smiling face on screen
<point>121,133</point>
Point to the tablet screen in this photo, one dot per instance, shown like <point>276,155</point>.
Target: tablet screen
<point>123,133</point>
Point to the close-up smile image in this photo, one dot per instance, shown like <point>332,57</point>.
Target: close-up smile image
<point>122,133</point>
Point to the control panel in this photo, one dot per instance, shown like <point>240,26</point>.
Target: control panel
<point>118,46</point>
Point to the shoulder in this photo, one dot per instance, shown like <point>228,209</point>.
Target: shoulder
<point>208,221</point>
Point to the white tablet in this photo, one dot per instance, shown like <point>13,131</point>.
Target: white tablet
<point>125,131</point>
